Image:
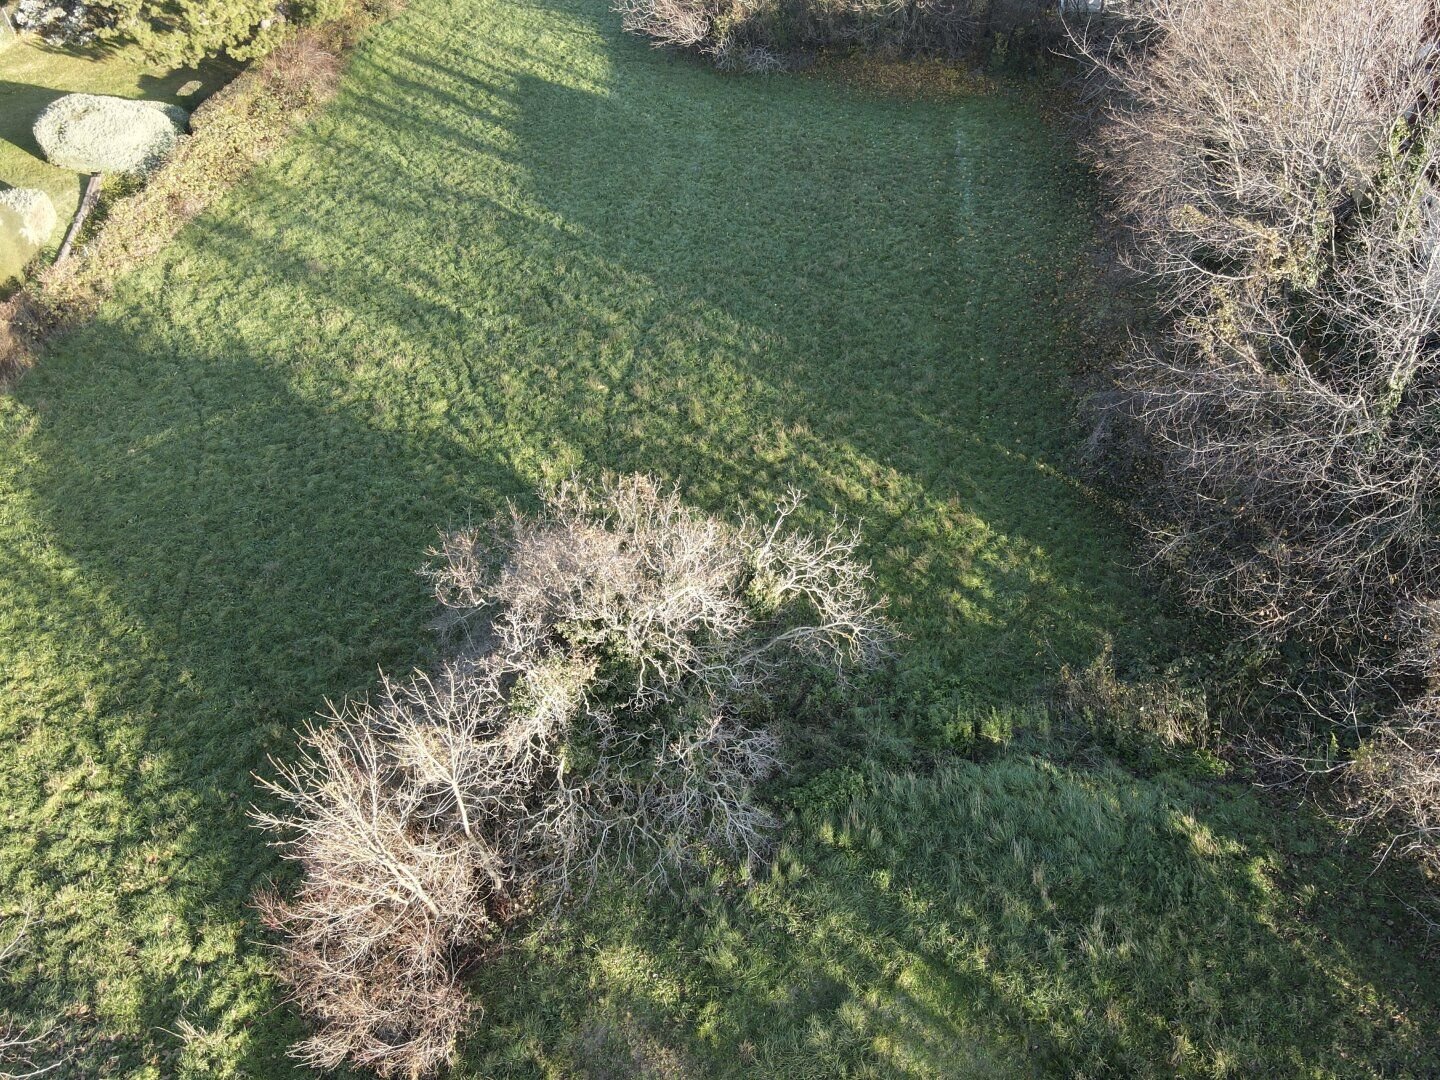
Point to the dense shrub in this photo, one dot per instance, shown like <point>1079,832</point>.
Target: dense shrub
<point>613,662</point>
<point>303,71</point>
<point>1278,163</point>
<point>760,34</point>
<point>90,133</point>
<point>27,217</point>
<point>171,34</point>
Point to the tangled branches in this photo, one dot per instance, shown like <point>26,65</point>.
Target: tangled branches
<point>762,35</point>
<point>26,1050</point>
<point>1279,168</point>
<point>1265,157</point>
<point>613,662</point>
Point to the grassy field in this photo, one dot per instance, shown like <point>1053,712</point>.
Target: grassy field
<point>518,245</point>
<point>33,74</point>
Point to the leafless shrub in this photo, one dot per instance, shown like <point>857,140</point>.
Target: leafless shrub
<point>756,35</point>
<point>613,661</point>
<point>1277,165</point>
<point>393,888</point>
<point>679,24</point>
<point>643,634</point>
<point>1394,783</point>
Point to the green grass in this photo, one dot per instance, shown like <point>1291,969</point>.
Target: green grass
<point>520,244</point>
<point>33,74</point>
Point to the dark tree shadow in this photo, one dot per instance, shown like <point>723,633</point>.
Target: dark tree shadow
<point>20,104</point>
<point>207,597</point>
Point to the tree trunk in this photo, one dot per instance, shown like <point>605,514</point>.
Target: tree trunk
<point>92,193</point>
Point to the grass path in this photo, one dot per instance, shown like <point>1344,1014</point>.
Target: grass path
<point>519,245</point>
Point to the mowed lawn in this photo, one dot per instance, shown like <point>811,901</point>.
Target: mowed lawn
<point>521,245</point>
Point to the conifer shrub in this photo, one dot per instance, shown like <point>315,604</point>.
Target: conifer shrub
<point>91,133</point>
<point>27,217</point>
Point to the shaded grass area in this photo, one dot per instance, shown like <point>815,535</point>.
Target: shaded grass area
<point>33,74</point>
<point>1022,917</point>
<point>520,245</point>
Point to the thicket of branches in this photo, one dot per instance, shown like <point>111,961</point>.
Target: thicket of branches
<point>761,35</point>
<point>613,661</point>
<point>1276,161</point>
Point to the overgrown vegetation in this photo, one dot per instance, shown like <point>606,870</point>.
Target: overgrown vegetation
<point>550,250</point>
<point>1277,164</point>
<point>174,34</point>
<point>767,35</point>
<point>618,657</point>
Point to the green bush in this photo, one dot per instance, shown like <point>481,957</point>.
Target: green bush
<point>94,134</point>
<point>177,33</point>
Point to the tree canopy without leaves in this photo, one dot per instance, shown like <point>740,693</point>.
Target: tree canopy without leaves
<point>613,662</point>
<point>1279,166</point>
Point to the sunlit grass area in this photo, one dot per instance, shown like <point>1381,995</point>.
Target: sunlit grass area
<point>521,245</point>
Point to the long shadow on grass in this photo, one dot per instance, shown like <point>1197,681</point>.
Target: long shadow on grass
<point>196,558</point>
<point>1014,919</point>
<point>722,295</point>
<point>23,103</point>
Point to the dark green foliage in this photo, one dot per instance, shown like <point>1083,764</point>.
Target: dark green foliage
<point>173,33</point>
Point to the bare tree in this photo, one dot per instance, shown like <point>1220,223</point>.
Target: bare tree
<point>1261,152</point>
<point>640,633</point>
<point>757,35</point>
<point>391,891</point>
<point>613,660</point>
<point>1277,165</point>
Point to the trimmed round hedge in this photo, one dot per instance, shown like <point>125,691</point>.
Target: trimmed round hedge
<point>27,217</point>
<point>94,134</point>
